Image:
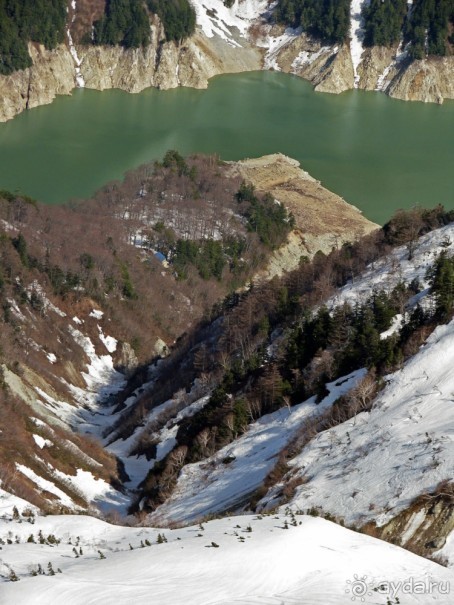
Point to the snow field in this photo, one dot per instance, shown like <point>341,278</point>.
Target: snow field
<point>271,560</point>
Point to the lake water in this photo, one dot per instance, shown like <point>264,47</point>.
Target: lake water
<point>378,153</point>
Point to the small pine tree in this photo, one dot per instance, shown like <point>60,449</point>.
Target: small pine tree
<point>31,538</point>
<point>15,513</point>
<point>101,555</point>
<point>50,569</point>
<point>13,577</point>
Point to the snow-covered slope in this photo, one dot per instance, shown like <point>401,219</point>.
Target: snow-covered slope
<point>375,465</point>
<point>271,560</point>
<point>386,273</point>
<point>225,480</point>
<point>214,18</point>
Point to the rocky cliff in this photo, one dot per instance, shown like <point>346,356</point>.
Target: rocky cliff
<point>164,65</point>
<point>330,69</point>
<point>52,74</point>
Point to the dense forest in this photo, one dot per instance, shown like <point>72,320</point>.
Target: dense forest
<point>383,21</point>
<point>426,26</point>
<point>126,22</point>
<point>40,21</point>
<point>177,16</point>
<point>328,20</point>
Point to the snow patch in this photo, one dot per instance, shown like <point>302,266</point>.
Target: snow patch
<point>356,36</point>
<point>40,442</point>
<point>72,49</point>
<point>215,19</point>
<point>108,341</point>
<point>212,485</point>
<point>276,44</point>
<point>305,58</point>
<point>46,485</point>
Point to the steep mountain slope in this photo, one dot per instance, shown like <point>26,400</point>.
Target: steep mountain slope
<point>321,455</point>
<point>218,425</point>
<point>76,338</point>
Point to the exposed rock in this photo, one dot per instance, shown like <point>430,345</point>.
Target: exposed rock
<point>337,75</point>
<point>168,65</point>
<point>430,80</point>
<point>51,74</point>
<point>375,62</point>
<point>422,528</point>
<point>127,360</point>
<point>323,219</point>
<point>164,64</point>
<point>160,348</point>
<point>330,69</point>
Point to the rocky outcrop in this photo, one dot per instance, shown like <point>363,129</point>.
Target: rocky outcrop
<point>423,527</point>
<point>337,75</point>
<point>430,80</point>
<point>376,68</point>
<point>323,219</point>
<point>163,64</point>
<point>330,69</point>
<point>51,74</point>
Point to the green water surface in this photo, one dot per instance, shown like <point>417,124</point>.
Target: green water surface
<point>378,153</point>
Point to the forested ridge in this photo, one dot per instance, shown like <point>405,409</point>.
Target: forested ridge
<point>427,25</point>
<point>328,20</point>
<point>125,23</point>
<point>21,21</point>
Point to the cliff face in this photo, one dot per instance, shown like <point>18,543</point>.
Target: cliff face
<point>166,65</point>
<point>52,74</point>
<point>330,69</point>
<point>430,80</point>
<point>163,65</point>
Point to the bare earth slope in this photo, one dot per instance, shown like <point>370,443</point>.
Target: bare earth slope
<point>323,219</point>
